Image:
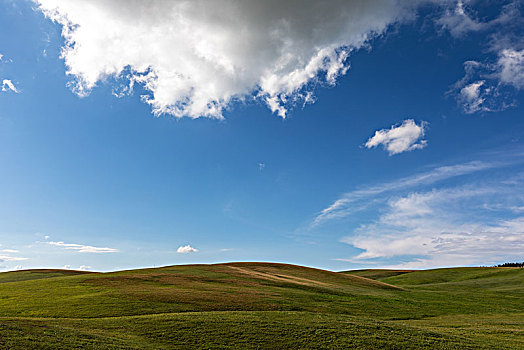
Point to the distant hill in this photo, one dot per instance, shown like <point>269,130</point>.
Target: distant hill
<point>263,305</point>
<point>376,274</point>
<point>25,275</point>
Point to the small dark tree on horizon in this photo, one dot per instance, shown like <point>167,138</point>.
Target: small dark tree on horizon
<point>511,264</point>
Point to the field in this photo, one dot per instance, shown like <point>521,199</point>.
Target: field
<point>263,305</point>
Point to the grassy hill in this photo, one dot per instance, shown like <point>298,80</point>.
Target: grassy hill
<point>25,275</point>
<point>263,305</point>
<point>377,274</point>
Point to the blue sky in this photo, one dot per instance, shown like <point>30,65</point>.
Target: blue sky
<point>389,136</point>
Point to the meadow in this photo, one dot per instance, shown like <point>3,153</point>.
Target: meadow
<point>264,306</point>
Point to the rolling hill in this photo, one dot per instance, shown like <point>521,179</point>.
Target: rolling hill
<point>262,305</point>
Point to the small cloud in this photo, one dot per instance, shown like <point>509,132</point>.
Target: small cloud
<point>472,97</point>
<point>7,85</point>
<point>226,249</point>
<point>511,67</point>
<point>82,248</point>
<point>185,249</point>
<point>66,267</point>
<point>84,267</point>
<point>459,22</point>
<point>18,267</point>
<point>402,138</point>
<point>4,59</point>
<point>11,258</point>
<point>343,259</point>
<point>460,19</point>
<point>10,251</point>
<point>261,166</point>
<point>490,87</point>
<point>46,237</point>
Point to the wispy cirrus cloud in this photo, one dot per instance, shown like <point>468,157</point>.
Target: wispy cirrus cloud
<point>510,67</point>
<point>11,258</point>
<point>80,248</point>
<point>464,214</point>
<point>353,201</point>
<point>458,21</point>
<point>473,97</point>
<point>489,84</point>
<point>444,227</point>
<point>10,251</point>
<point>484,88</point>
<point>6,255</point>
<point>459,18</point>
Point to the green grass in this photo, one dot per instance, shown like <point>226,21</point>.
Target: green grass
<point>26,275</point>
<point>376,274</point>
<point>244,329</point>
<point>262,305</point>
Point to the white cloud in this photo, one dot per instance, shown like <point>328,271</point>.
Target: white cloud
<point>84,267</point>
<point>184,249</point>
<point>196,57</point>
<point>472,98</point>
<point>488,83</point>
<point>511,67</point>
<point>82,248</point>
<point>10,258</point>
<point>459,18</point>
<point>345,205</point>
<point>66,267</point>
<point>486,87</point>
<point>6,257</point>
<point>458,21</point>
<point>400,138</point>
<point>444,227</point>
<point>7,85</point>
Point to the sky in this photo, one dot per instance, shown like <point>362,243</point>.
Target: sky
<point>333,134</point>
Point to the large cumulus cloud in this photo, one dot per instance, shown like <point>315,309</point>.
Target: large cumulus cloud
<point>195,57</point>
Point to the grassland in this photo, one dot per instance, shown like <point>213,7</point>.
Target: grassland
<point>262,305</point>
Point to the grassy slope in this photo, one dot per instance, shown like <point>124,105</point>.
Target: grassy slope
<point>26,275</point>
<point>265,305</point>
<point>222,287</point>
<point>248,329</point>
<point>376,274</point>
